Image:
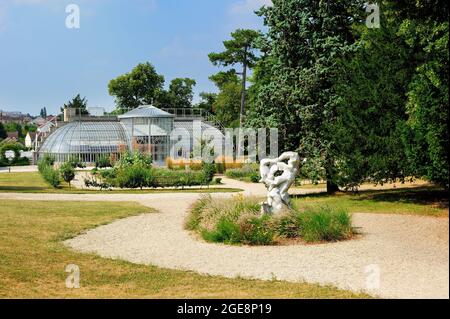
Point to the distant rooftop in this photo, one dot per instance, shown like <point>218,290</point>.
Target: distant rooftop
<point>146,111</point>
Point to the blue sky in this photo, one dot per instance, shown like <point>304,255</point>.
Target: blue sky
<point>43,63</point>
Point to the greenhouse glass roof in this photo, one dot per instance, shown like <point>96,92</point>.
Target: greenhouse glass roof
<point>86,137</point>
<point>146,111</point>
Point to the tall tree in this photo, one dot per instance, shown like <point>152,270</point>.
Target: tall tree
<point>207,102</point>
<point>43,112</point>
<point>227,102</point>
<point>78,103</point>
<point>3,133</point>
<point>370,110</point>
<point>306,38</point>
<point>181,91</point>
<point>241,50</point>
<point>425,30</point>
<point>139,87</point>
<point>179,95</point>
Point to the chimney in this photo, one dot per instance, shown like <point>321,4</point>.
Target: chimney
<point>69,113</point>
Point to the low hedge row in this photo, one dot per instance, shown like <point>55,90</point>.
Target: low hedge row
<point>248,173</point>
<point>141,176</point>
<point>50,175</point>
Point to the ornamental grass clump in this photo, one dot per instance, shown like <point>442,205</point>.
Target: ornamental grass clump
<point>239,221</point>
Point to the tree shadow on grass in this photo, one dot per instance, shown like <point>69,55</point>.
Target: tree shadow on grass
<point>426,195</point>
<point>20,188</point>
<point>423,195</point>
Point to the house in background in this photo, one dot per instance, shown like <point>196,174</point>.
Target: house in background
<point>30,139</point>
<point>39,121</point>
<point>13,136</point>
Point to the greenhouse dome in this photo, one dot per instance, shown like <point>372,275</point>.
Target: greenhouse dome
<point>86,141</point>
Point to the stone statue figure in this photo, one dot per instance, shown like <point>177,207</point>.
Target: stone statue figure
<point>278,175</point>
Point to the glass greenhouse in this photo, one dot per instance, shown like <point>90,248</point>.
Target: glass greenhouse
<point>146,129</point>
<point>86,141</point>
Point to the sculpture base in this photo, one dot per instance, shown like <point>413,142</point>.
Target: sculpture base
<point>266,209</point>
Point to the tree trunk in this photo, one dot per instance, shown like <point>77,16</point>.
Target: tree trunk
<point>244,88</point>
<point>332,188</point>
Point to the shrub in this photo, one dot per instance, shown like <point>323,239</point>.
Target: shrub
<point>51,176</point>
<point>16,147</point>
<point>288,225</point>
<point>67,172</point>
<point>47,160</point>
<point>75,162</point>
<point>208,171</point>
<point>129,159</point>
<point>324,223</point>
<point>103,162</point>
<point>238,221</point>
<point>226,231</point>
<point>249,173</point>
<point>220,168</point>
<point>135,176</point>
<point>256,231</point>
<point>92,182</point>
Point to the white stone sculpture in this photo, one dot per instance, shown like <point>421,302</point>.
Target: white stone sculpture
<point>278,175</point>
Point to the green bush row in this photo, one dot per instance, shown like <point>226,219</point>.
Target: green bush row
<point>50,175</point>
<point>239,221</point>
<point>248,173</point>
<point>53,176</point>
<point>141,176</point>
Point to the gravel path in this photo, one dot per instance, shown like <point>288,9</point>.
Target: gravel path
<point>411,253</point>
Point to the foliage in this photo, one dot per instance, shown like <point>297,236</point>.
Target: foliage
<point>50,175</point>
<point>43,113</point>
<point>238,221</point>
<point>75,162</point>
<point>16,147</point>
<point>179,95</point>
<point>67,172</point>
<point>207,102</point>
<point>3,133</point>
<point>324,223</point>
<point>134,170</point>
<point>135,158</point>
<point>209,169</point>
<point>226,103</point>
<point>371,109</point>
<point>77,103</point>
<point>133,176</point>
<point>359,104</point>
<point>103,162</point>
<point>242,50</point>
<point>239,50</point>
<point>139,87</point>
<point>426,130</point>
<point>306,39</point>
<point>248,173</point>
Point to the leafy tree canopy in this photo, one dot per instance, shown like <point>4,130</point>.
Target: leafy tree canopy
<point>141,86</point>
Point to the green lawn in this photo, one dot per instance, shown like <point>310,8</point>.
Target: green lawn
<point>430,201</point>
<point>32,182</point>
<point>33,261</point>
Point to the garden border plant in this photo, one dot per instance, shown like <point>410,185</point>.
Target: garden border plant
<point>238,221</point>
<point>134,170</point>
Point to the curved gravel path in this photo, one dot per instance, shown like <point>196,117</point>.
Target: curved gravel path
<point>411,253</point>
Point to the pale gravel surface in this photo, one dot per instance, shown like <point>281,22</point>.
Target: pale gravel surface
<point>412,252</point>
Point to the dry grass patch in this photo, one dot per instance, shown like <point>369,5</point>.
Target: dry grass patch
<point>33,261</point>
